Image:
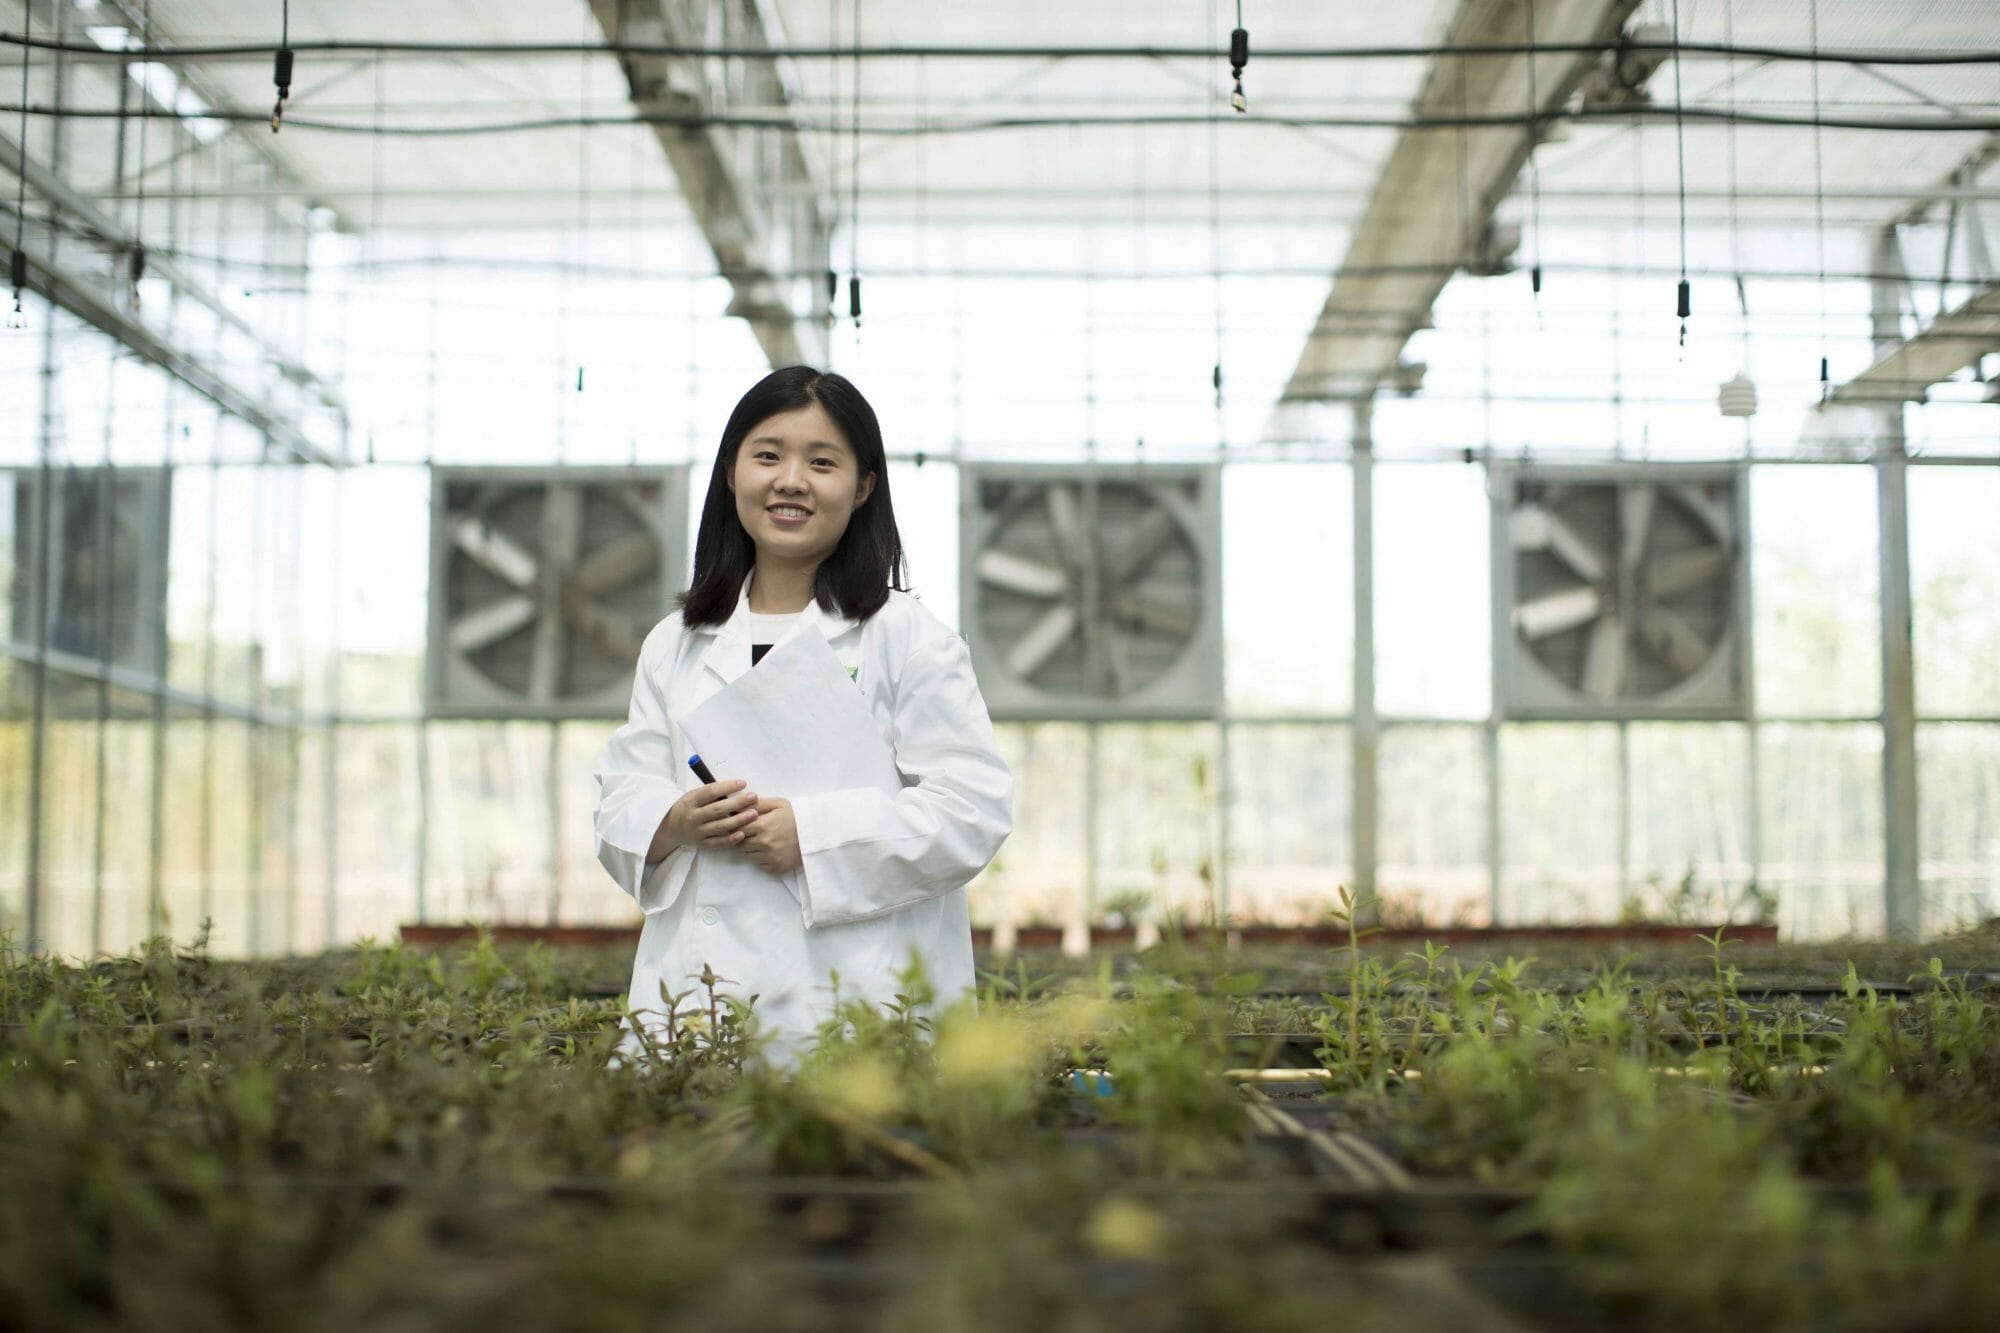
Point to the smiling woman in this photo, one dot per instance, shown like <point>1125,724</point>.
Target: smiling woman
<point>803,900</point>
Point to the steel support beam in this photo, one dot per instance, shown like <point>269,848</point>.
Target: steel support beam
<point>1433,203</point>
<point>753,192</point>
<point>1906,367</point>
<point>1367,722</point>
<point>1902,887</point>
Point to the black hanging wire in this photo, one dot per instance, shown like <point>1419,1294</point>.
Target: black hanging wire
<point>281,73</point>
<point>1239,56</point>
<point>1819,203</point>
<point>1534,171</point>
<point>833,159</point>
<point>854,179</point>
<point>17,262</point>
<point>1684,305</point>
<point>1735,218</point>
<point>1215,239</point>
<point>135,263</point>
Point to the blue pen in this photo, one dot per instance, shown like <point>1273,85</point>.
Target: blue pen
<point>700,769</point>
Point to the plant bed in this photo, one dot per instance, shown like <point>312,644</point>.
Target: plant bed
<point>431,935</point>
<point>1330,936</point>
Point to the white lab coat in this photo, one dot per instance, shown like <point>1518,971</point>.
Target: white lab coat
<point>883,876</point>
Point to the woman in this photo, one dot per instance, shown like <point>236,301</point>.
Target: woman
<point>777,892</point>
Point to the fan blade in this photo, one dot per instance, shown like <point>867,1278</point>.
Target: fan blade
<point>1574,551</point>
<point>1044,639</point>
<point>1558,611</point>
<point>1635,523</point>
<point>495,551</point>
<point>1066,525</point>
<point>608,633</point>
<point>620,562</point>
<point>1117,662</point>
<point>1675,642</point>
<point>1604,657</point>
<point>1528,528</point>
<point>1144,540</point>
<point>562,537</point>
<point>490,623</point>
<point>1671,575</point>
<point>1148,613</point>
<point>1021,574</point>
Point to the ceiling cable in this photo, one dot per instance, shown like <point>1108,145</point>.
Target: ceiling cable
<point>281,73</point>
<point>1534,169</point>
<point>854,179</point>
<point>17,262</point>
<point>1819,206</point>
<point>1239,56</point>
<point>1623,45</point>
<point>135,262</point>
<point>1684,304</point>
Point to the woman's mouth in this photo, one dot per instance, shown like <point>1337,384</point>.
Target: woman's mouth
<point>789,516</point>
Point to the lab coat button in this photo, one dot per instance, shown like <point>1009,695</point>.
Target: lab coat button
<point>709,916</point>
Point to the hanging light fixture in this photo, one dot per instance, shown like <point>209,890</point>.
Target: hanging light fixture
<point>1738,396</point>
<point>1239,56</point>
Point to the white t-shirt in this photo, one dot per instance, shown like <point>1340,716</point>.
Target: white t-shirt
<point>766,630</point>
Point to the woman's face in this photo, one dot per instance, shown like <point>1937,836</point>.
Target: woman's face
<point>797,484</point>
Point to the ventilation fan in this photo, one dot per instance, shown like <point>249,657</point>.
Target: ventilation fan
<point>544,583</point>
<point>1093,592</point>
<point>107,534</point>
<point>1620,592</point>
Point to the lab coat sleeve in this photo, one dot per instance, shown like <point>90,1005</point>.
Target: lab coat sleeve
<point>866,852</point>
<point>639,777</point>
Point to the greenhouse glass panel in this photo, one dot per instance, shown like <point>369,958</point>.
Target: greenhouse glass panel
<point>128,834</point>
<point>1816,589</point>
<point>1157,834</point>
<point>384,589</point>
<point>69,781</point>
<point>1822,827</point>
<point>376,850</point>
<point>1958,801</point>
<point>489,792</point>
<point>589,894</point>
<point>1955,589</point>
<point>1690,824</point>
<point>232,900</point>
<point>1559,822</point>
<point>1431,785</point>
<point>1288,588</point>
<point>1291,844</point>
<point>1433,594</point>
<point>1039,874</point>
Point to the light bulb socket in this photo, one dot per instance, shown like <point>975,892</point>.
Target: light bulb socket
<point>854,297</point>
<point>282,74</point>
<point>17,272</point>
<point>1686,306</point>
<point>1535,279</point>
<point>1239,51</point>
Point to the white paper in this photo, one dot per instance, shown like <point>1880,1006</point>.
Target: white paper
<point>794,725</point>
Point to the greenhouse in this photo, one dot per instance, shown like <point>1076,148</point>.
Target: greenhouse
<point>1424,588</point>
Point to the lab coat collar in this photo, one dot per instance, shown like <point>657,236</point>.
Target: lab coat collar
<point>728,656</point>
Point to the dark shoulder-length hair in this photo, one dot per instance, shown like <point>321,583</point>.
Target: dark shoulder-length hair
<point>856,577</point>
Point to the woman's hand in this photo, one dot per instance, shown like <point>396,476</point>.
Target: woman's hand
<point>772,841</point>
<point>713,815</point>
